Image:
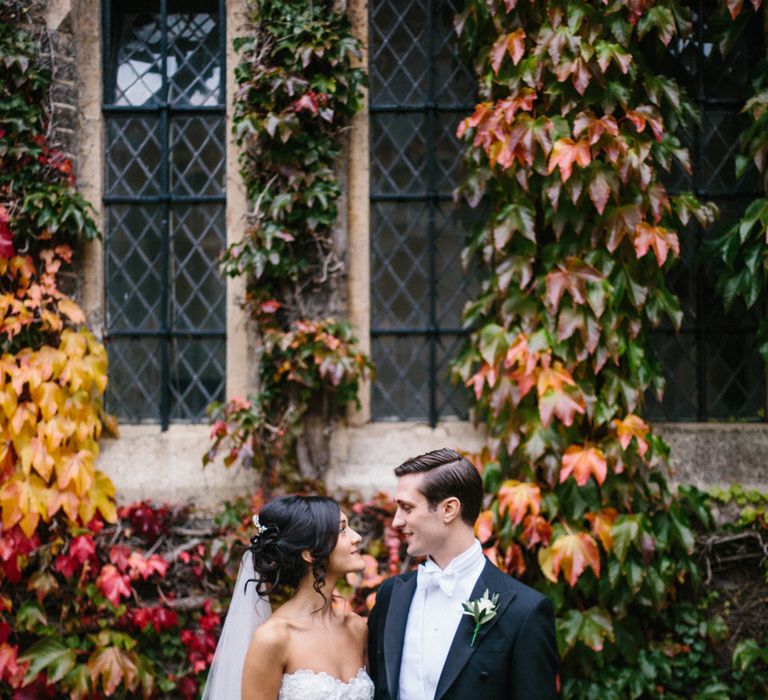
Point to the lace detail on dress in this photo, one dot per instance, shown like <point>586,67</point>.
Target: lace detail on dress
<point>317,685</point>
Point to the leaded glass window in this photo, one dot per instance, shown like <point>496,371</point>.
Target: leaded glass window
<point>165,205</point>
<point>419,91</point>
<point>712,366</point>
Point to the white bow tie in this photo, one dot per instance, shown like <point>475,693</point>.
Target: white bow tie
<point>431,575</point>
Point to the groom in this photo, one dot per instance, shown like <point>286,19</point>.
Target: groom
<point>420,644</point>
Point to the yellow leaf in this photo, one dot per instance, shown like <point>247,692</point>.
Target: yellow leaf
<point>49,397</point>
<point>572,554</point>
<point>53,320</point>
<point>76,468</point>
<point>73,344</point>
<point>26,413</point>
<point>57,430</point>
<point>26,374</point>
<point>23,501</point>
<point>101,497</point>
<point>71,311</point>
<point>50,361</point>
<point>77,374</point>
<point>41,460</point>
<point>8,400</point>
<point>65,499</point>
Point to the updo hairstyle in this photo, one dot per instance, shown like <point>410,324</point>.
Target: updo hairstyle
<point>292,524</point>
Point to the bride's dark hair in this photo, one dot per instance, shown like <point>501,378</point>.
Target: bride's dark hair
<point>290,525</point>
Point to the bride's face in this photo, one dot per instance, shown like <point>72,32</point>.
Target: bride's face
<point>346,556</point>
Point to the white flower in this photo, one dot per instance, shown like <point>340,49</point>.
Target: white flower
<point>481,611</point>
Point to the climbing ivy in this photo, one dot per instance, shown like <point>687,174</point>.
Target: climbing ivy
<point>567,150</point>
<point>298,88</point>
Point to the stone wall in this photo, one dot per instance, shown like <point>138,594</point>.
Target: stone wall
<point>147,463</point>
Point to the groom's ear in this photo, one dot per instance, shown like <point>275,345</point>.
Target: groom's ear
<point>451,509</point>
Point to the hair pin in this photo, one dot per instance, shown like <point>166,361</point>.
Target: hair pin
<point>260,529</point>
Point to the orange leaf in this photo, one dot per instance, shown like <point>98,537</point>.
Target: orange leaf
<point>656,237</point>
<point>632,427</point>
<point>555,377</point>
<point>114,666</point>
<point>514,561</point>
<point>537,530</point>
<point>571,554</point>
<point>565,153</point>
<point>518,498</point>
<point>583,461</point>
<point>484,526</point>
<point>602,522</point>
<point>571,276</point>
<point>513,43</point>
<point>563,405</point>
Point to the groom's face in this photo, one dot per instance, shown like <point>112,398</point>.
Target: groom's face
<point>423,528</point>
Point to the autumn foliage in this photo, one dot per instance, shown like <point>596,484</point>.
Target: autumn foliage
<point>298,88</point>
<point>568,149</point>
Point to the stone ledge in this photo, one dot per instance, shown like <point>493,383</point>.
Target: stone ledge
<point>146,463</point>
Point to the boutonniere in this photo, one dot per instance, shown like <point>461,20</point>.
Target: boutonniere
<point>481,611</point>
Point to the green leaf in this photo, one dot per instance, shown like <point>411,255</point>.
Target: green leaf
<point>51,655</point>
<point>625,532</point>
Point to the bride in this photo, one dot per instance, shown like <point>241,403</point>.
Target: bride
<point>307,650</point>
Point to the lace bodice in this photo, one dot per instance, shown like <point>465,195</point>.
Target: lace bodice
<point>312,685</point>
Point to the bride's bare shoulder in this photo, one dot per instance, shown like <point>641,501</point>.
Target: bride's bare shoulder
<point>272,636</point>
<point>357,624</point>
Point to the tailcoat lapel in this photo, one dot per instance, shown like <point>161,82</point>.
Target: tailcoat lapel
<point>461,651</point>
<point>394,630</point>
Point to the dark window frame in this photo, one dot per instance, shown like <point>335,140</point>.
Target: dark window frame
<point>163,111</point>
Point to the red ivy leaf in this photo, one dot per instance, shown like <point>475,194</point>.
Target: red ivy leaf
<point>113,584</point>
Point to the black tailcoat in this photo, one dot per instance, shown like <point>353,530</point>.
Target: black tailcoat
<point>514,658</point>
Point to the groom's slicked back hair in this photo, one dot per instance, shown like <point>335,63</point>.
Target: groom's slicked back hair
<point>447,474</point>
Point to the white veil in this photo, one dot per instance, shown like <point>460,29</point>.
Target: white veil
<point>247,611</point>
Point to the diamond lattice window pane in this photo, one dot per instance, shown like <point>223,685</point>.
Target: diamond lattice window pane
<point>198,300</point>
<point>399,154</point>
<point>735,376</point>
<point>453,284</point>
<point>197,155</point>
<point>453,398</point>
<point>398,61</point>
<point>720,146</point>
<point>401,391</point>
<point>197,376</point>
<point>677,355</point>
<point>194,57</point>
<point>453,81</point>
<point>133,250</point>
<point>399,265</point>
<point>133,392</point>
<point>448,153</point>
<point>134,156</point>
<point>137,71</point>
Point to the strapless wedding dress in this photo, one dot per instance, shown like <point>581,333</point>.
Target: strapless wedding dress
<point>312,685</point>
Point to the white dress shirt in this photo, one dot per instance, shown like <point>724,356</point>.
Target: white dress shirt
<point>433,620</point>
